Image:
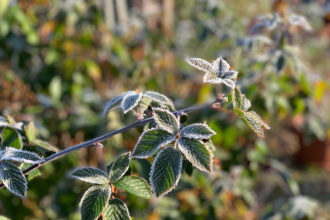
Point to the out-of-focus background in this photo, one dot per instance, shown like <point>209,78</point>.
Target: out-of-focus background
<point>60,61</point>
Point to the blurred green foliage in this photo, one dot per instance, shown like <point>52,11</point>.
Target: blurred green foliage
<point>60,63</point>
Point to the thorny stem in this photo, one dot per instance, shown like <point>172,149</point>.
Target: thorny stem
<point>103,137</point>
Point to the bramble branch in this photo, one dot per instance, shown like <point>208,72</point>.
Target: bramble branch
<point>101,138</point>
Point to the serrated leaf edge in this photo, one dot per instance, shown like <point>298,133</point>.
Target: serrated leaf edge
<point>71,175</point>
<point>130,93</point>
<point>199,167</point>
<point>156,149</point>
<point>153,170</point>
<point>198,136</point>
<point>170,113</point>
<point>125,170</point>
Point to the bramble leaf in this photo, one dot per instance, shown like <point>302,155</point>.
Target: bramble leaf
<point>45,145</point>
<point>144,103</point>
<point>150,141</point>
<point>13,178</point>
<point>215,73</point>
<point>10,137</point>
<point>93,201</point>
<point>159,98</point>
<point>114,102</point>
<point>197,131</point>
<point>197,153</point>
<point>240,102</point>
<point>31,131</point>
<point>130,101</point>
<point>255,122</point>
<point>119,167</point>
<point>237,98</point>
<point>21,156</point>
<point>90,175</point>
<point>200,64</point>
<point>165,171</point>
<point>166,120</point>
<point>116,210</point>
<point>220,66</point>
<point>134,185</point>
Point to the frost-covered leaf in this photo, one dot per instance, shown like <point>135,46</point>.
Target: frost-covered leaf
<point>237,98</point>
<point>246,103</point>
<point>119,167</point>
<point>159,98</point>
<point>45,145</point>
<point>166,120</point>
<point>130,101</point>
<point>228,82</point>
<point>197,131</point>
<point>255,122</point>
<point>200,64</point>
<point>91,175</point>
<point>10,122</point>
<point>150,141</point>
<point>197,153</point>
<point>210,77</point>
<point>114,102</point>
<point>144,104</point>
<point>220,67</point>
<point>10,137</point>
<point>93,201</point>
<point>13,178</point>
<point>219,72</point>
<point>240,102</point>
<point>134,185</point>
<point>22,156</point>
<point>116,210</point>
<point>31,131</point>
<point>165,171</point>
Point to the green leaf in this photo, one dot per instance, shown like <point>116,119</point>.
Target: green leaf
<point>134,185</point>
<point>255,122</point>
<point>116,210</point>
<point>93,201</point>
<point>159,98</point>
<point>31,131</point>
<point>144,103</point>
<point>150,141</point>
<point>119,167</point>
<point>165,171</point>
<point>91,175</point>
<point>166,120</point>
<point>197,153</point>
<point>45,145</point>
<point>237,98</point>
<point>10,137</point>
<point>197,131</point>
<point>240,102</point>
<point>22,156</point>
<point>114,102</point>
<point>130,101</point>
<point>13,178</point>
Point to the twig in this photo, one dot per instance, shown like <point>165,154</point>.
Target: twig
<point>108,135</point>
